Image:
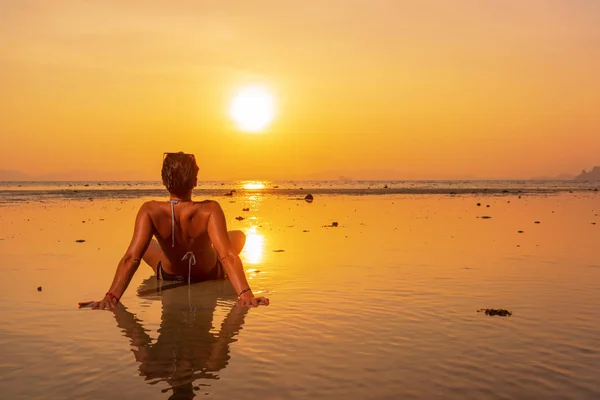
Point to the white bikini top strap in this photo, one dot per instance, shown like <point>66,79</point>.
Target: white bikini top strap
<point>191,262</point>
<point>189,254</point>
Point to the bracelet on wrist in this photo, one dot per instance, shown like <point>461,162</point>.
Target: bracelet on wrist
<point>114,296</point>
<point>244,291</point>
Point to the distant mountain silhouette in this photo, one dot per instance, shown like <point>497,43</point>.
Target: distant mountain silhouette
<point>559,177</point>
<point>593,175</point>
<point>9,175</point>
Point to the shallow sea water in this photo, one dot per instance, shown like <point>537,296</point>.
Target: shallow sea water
<point>384,306</point>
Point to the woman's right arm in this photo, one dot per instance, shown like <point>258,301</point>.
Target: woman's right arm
<point>217,231</point>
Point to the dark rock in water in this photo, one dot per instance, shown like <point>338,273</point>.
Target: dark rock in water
<point>536,222</point>
<point>493,312</point>
<point>275,187</point>
<point>39,288</point>
<point>305,230</point>
<point>240,218</point>
<point>385,187</point>
<point>309,198</point>
<point>80,241</point>
<point>485,217</point>
<point>245,209</point>
<point>478,204</point>
<point>519,231</point>
<point>86,185</point>
<point>334,224</point>
<point>278,251</point>
<point>488,205</point>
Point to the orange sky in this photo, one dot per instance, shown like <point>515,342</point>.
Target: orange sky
<point>366,89</point>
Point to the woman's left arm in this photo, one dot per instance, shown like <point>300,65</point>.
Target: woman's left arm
<point>142,235</point>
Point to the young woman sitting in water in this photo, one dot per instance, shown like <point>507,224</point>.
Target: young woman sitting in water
<point>192,242</point>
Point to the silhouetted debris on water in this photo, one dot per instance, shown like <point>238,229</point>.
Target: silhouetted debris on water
<point>240,218</point>
<point>80,240</point>
<point>536,222</point>
<point>493,312</point>
<point>334,224</point>
<point>485,217</point>
<point>478,204</point>
<point>39,288</point>
<point>519,231</point>
<point>245,209</point>
<point>309,198</point>
<point>305,230</point>
<point>278,251</point>
<point>385,187</point>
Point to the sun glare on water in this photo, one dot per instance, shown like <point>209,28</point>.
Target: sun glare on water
<point>254,247</point>
<point>253,185</point>
<point>252,108</point>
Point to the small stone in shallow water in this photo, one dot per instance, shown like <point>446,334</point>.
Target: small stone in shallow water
<point>278,251</point>
<point>519,231</point>
<point>80,240</point>
<point>39,288</point>
<point>309,198</point>
<point>485,217</point>
<point>334,224</point>
<point>245,209</point>
<point>536,222</point>
<point>240,218</point>
<point>478,204</point>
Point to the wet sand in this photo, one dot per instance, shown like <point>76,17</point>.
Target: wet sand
<point>382,306</point>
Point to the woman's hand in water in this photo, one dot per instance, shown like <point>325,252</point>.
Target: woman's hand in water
<point>108,303</point>
<point>248,300</point>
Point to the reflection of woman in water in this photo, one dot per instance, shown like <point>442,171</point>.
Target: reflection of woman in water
<point>187,348</point>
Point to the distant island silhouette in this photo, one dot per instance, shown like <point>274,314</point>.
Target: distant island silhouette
<point>593,175</point>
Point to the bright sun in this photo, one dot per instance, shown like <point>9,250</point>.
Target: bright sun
<point>252,108</point>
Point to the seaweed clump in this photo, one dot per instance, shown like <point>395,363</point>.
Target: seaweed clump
<point>493,312</point>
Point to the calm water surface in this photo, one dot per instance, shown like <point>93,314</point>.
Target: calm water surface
<point>381,307</point>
